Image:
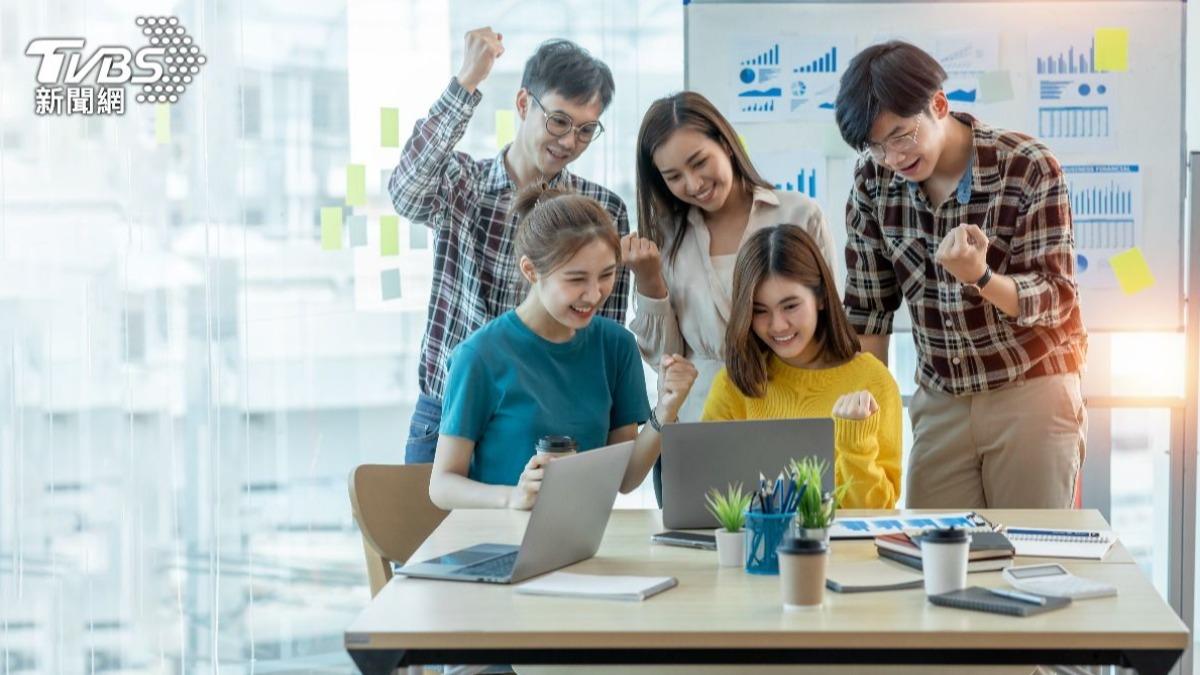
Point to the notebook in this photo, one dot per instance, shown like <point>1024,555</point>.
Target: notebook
<point>1043,543</point>
<point>980,600</point>
<point>990,565</point>
<point>603,587</point>
<point>865,576</point>
<point>984,545</point>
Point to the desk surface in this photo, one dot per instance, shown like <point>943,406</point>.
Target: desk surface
<point>725,608</point>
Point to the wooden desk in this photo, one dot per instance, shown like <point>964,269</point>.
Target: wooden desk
<point>725,616</point>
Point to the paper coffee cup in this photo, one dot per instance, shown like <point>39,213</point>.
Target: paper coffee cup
<point>944,560</point>
<point>802,564</point>
<point>556,446</point>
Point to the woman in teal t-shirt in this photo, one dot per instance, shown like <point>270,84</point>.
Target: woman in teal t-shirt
<point>550,367</point>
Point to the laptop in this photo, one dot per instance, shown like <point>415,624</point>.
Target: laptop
<point>566,525</point>
<point>699,456</point>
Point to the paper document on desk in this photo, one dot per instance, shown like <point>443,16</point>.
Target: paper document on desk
<point>600,586</point>
<point>850,527</point>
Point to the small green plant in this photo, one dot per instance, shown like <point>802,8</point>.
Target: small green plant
<point>815,510</point>
<point>730,508</point>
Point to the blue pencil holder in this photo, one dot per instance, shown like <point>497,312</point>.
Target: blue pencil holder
<point>764,533</point>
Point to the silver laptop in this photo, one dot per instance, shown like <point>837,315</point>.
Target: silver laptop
<point>566,525</point>
<point>699,456</point>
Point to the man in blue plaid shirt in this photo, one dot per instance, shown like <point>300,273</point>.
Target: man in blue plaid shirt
<point>465,201</point>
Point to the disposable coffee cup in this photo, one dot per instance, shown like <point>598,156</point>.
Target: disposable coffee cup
<point>944,560</point>
<point>802,564</point>
<point>556,446</point>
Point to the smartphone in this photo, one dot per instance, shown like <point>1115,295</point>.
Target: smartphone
<point>707,542</point>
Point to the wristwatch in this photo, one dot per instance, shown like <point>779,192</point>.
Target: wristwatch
<point>982,281</point>
<point>654,421</point>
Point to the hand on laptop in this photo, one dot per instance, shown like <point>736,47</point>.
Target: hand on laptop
<point>856,406</point>
<point>675,379</point>
<point>525,492</point>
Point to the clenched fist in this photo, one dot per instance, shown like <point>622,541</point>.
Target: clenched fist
<point>856,406</point>
<point>641,255</point>
<point>964,253</point>
<point>675,380</point>
<point>483,46</point>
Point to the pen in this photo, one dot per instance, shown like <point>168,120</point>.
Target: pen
<point>1018,595</point>
<point>1054,533</point>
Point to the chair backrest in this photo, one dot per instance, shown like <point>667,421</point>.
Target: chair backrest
<point>394,513</point>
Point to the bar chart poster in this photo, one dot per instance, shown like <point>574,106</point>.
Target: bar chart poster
<point>795,171</point>
<point>813,74</point>
<point>1075,106</point>
<point>759,79</point>
<point>1106,211</point>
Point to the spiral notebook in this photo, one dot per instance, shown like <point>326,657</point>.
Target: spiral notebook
<point>1044,543</point>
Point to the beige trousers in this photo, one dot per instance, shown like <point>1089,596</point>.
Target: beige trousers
<point>1020,447</point>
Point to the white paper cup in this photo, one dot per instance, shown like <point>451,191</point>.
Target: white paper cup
<point>944,560</point>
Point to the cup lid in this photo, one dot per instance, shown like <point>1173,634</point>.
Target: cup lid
<point>554,442</point>
<point>798,546</point>
<point>949,535</point>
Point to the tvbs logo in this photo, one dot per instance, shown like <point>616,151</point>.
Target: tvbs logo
<point>164,69</point>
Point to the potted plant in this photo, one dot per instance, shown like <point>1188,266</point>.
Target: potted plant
<point>815,510</point>
<point>730,511</point>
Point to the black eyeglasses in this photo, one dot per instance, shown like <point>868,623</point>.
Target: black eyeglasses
<point>559,124</point>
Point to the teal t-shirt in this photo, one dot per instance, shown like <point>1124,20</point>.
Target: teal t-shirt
<point>507,387</point>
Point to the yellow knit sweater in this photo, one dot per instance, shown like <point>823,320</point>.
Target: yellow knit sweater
<point>865,451</point>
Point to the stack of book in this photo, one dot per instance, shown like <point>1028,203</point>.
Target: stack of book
<point>989,551</point>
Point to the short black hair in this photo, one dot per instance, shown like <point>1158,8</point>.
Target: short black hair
<point>571,71</point>
<point>892,77</point>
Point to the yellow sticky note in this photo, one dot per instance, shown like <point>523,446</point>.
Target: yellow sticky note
<point>356,185</point>
<point>162,123</point>
<point>506,128</point>
<point>1132,271</point>
<point>389,235</point>
<point>331,228</point>
<point>1112,50</point>
<point>389,127</point>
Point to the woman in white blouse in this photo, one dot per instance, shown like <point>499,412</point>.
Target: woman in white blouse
<point>698,199</point>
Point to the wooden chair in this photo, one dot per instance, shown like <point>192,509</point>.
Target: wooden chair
<point>394,513</point>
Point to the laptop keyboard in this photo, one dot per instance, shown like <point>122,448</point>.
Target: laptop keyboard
<point>496,567</point>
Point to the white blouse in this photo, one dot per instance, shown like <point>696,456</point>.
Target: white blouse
<point>691,319</point>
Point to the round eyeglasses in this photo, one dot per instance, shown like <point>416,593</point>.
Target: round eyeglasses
<point>559,124</point>
<point>900,145</point>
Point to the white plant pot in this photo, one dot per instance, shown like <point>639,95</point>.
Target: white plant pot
<point>731,547</point>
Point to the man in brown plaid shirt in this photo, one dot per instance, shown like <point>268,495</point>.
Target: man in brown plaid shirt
<point>466,201</point>
<point>971,226</point>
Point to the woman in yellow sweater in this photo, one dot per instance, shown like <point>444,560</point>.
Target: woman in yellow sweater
<point>790,352</point>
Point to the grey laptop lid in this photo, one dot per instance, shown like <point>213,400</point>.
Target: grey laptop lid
<point>566,525</point>
<point>699,456</point>
<point>572,509</point>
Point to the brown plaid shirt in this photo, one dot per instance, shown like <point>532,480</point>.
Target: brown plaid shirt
<point>466,203</point>
<point>1014,189</point>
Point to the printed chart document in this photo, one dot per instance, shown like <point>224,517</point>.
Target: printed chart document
<point>867,528</point>
<point>599,586</point>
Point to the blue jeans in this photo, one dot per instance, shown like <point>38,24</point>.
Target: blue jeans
<point>423,430</point>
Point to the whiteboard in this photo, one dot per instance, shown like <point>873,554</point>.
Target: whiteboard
<point>1016,65</point>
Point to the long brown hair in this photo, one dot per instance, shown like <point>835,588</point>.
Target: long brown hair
<point>553,224</point>
<point>656,206</point>
<point>786,251</point>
